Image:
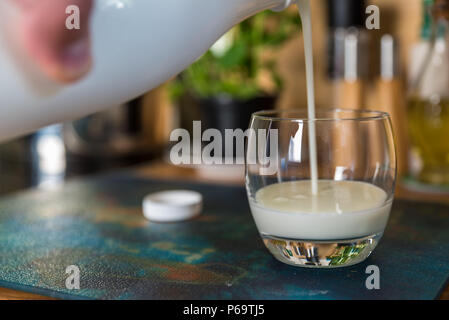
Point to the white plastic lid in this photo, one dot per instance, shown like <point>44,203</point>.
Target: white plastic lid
<point>172,206</point>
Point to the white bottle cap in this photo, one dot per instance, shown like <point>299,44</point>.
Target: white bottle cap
<point>172,206</point>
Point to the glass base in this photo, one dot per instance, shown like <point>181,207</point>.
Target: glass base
<point>321,254</point>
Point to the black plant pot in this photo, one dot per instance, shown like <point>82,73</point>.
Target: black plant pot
<point>227,113</point>
<point>222,113</point>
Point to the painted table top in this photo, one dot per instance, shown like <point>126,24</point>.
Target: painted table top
<point>97,225</point>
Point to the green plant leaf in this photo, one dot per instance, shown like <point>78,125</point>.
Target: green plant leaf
<point>234,57</point>
<point>235,72</point>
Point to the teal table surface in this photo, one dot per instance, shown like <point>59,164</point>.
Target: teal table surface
<point>97,225</point>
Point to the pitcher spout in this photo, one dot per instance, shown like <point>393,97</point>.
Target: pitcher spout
<point>283,5</point>
<point>255,6</point>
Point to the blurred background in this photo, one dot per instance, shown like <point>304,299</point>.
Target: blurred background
<point>402,68</point>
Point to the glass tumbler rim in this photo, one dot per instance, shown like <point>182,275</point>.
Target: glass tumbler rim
<point>301,115</point>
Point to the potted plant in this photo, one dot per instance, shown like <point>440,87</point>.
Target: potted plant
<point>237,76</point>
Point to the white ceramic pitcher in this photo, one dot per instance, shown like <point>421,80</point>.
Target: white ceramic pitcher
<point>137,45</point>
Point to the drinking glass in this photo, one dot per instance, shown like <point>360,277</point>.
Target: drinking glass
<point>332,214</point>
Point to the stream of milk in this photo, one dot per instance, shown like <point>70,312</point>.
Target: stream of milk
<point>304,11</point>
